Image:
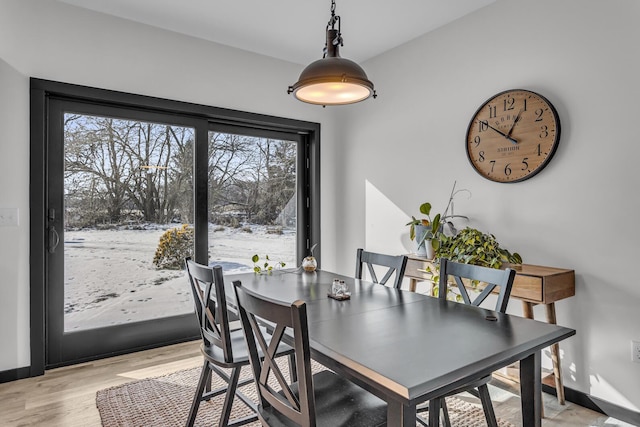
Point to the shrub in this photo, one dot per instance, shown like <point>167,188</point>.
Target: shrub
<point>175,244</point>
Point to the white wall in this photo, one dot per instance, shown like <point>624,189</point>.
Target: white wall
<point>408,146</point>
<point>51,40</point>
<point>14,241</point>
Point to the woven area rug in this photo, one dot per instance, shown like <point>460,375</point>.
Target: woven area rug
<point>165,401</point>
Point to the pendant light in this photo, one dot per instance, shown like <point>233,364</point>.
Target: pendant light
<point>333,80</point>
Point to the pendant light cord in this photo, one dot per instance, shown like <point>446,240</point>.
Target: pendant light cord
<point>332,23</point>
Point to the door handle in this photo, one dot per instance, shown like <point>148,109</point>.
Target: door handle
<point>54,239</point>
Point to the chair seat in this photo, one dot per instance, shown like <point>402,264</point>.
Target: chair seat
<point>339,402</point>
<point>240,352</point>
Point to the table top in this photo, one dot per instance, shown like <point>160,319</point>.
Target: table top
<point>523,269</point>
<point>404,346</point>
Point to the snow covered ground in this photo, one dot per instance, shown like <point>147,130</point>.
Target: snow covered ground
<point>110,278</point>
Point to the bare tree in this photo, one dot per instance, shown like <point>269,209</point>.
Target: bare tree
<point>253,176</point>
<point>231,160</point>
<point>116,169</point>
<point>128,166</point>
<point>93,167</point>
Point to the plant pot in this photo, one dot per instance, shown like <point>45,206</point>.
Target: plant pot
<point>309,264</point>
<point>429,249</point>
<point>424,249</point>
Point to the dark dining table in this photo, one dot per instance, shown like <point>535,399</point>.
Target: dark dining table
<point>408,348</point>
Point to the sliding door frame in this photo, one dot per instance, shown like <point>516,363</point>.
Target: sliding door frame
<point>42,91</point>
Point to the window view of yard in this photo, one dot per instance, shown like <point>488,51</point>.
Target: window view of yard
<point>129,182</point>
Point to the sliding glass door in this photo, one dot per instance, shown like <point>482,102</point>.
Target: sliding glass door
<point>253,198</point>
<point>120,221</point>
<point>124,186</point>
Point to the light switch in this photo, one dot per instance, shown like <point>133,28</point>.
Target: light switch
<point>8,217</point>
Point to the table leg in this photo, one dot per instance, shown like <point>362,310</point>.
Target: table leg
<point>531,390</point>
<point>399,415</point>
<point>527,311</point>
<point>555,355</point>
<point>434,412</point>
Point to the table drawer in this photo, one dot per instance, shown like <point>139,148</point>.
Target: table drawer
<point>527,288</point>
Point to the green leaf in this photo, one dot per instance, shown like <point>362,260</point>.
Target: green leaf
<point>413,221</point>
<point>255,258</point>
<point>435,225</point>
<point>425,208</point>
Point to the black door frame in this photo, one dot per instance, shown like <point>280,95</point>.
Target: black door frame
<point>82,345</point>
<point>42,91</point>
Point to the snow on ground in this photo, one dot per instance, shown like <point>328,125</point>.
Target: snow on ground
<point>110,277</point>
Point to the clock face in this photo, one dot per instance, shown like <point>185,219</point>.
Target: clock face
<point>513,136</point>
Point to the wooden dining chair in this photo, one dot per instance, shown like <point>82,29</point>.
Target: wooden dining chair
<point>320,399</point>
<point>394,264</point>
<point>221,347</point>
<point>493,278</point>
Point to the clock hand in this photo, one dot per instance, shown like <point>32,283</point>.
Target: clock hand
<point>514,123</point>
<point>515,141</point>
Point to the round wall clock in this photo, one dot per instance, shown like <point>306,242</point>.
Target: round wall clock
<point>513,136</point>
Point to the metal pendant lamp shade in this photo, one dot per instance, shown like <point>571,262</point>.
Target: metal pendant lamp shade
<point>333,80</point>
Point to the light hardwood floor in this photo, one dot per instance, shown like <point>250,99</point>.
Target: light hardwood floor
<point>66,396</point>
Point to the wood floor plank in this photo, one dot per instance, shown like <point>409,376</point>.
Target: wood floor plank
<point>66,397</point>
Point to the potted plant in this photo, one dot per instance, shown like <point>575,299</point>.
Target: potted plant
<point>472,246</point>
<point>309,263</point>
<point>425,231</point>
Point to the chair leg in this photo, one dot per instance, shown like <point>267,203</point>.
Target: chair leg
<point>446,421</point>
<point>445,413</point>
<point>434,411</point>
<point>487,406</point>
<point>229,396</point>
<point>292,368</point>
<point>204,376</point>
<point>207,387</point>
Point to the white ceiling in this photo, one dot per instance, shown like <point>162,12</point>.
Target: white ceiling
<point>292,30</point>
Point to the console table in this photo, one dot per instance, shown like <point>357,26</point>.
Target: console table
<point>534,284</point>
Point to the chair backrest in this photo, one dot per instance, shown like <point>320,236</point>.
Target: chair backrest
<point>397,264</point>
<point>491,276</point>
<point>253,308</point>
<point>207,287</point>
